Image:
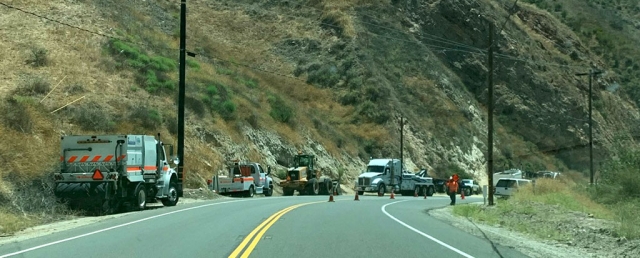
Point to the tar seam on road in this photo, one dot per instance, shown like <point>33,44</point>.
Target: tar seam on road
<point>422,233</point>
<point>262,228</point>
<point>119,226</point>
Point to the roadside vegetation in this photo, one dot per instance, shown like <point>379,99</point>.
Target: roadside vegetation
<point>541,210</point>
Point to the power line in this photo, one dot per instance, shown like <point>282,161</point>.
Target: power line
<point>63,23</point>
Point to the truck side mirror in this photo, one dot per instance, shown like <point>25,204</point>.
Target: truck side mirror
<point>268,170</point>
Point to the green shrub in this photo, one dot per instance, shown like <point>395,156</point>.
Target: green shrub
<point>91,116</point>
<point>152,70</point>
<point>148,118</point>
<point>38,57</point>
<point>280,111</point>
<point>33,84</point>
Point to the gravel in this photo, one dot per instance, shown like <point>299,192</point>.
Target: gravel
<point>589,237</point>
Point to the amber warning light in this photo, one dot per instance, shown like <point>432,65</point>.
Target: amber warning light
<point>97,175</point>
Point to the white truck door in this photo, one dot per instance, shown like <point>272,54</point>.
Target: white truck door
<point>256,173</point>
<point>150,155</point>
<point>135,157</point>
<point>161,162</point>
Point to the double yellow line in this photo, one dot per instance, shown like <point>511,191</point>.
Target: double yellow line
<point>260,230</point>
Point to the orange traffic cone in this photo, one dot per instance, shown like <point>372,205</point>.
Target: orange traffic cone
<point>357,198</point>
<point>462,194</point>
<point>331,198</point>
<point>392,195</point>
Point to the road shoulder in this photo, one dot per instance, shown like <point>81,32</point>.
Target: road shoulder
<point>521,242</point>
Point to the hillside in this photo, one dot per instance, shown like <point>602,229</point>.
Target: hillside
<point>329,77</point>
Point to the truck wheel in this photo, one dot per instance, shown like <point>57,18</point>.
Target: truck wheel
<point>328,186</point>
<point>430,191</point>
<point>381,190</point>
<point>172,198</point>
<point>287,191</point>
<point>140,198</point>
<point>313,187</point>
<point>250,192</point>
<point>268,191</point>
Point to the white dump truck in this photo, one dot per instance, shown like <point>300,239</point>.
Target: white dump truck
<point>377,178</point>
<point>246,178</point>
<point>109,171</point>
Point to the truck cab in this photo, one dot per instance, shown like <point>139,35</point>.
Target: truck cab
<point>377,176</point>
<point>246,178</point>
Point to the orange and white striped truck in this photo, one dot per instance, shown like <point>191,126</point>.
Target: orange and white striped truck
<point>246,178</point>
<point>108,172</point>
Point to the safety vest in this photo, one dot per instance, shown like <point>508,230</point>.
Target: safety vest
<point>453,186</point>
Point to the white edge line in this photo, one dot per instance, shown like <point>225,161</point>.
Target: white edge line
<point>122,225</point>
<point>422,233</point>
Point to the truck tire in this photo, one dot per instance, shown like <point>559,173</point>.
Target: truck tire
<point>381,190</point>
<point>268,191</point>
<point>287,191</point>
<point>172,198</point>
<point>139,198</point>
<point>467,191</point>
<point>313,187</point>
<point>430,191</point>
<point>328,187</point>
<point>249,193</point>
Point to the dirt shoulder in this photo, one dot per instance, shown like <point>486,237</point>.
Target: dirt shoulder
<point>556,234</point>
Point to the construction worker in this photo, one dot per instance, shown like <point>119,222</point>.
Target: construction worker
<point>452,186</point>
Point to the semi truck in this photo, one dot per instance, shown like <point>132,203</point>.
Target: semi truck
<point>377,178</point>
<point>305,178</point>
<point>247,178</point>
<point>109,172</point>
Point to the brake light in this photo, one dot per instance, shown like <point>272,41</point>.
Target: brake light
<point>97,175</point>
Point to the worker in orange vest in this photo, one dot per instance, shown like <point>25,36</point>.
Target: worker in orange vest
<point>452,186</point>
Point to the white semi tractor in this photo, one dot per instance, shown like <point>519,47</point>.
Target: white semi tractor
<point>377,178</point>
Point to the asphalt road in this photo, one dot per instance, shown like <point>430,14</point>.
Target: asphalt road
<point>298,226</point>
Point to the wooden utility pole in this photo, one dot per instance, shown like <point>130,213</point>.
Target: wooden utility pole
<point>181,94</point>
<point>490,116</point>
<point>591,74</point>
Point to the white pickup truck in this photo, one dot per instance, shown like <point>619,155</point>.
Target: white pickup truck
<point>247,178</point>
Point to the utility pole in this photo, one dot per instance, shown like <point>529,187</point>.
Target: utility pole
<point>401,145</point>
<point>181,94</point>
<point>591,74</point>
<point>490,116</point>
